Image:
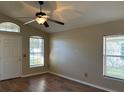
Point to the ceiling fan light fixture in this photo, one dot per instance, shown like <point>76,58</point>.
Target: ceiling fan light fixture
<point>41,20</point>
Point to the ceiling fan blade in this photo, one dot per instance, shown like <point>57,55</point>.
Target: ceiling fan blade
<point>46,24</point>
<point>29,22</point>
<point>58,22</point>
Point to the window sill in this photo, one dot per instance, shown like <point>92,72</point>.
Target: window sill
<point>113,78</point>
<point>36,66</point>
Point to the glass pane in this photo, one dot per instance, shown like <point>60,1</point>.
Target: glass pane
<point>40,59</point>
<point>115,45</point>
<point>32,59</point>
<point>115,67</point>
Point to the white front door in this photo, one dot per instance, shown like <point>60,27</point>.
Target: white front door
<point>10,56</point>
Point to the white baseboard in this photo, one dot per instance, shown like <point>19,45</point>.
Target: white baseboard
<point>34,74</point>
<point>83,82</point>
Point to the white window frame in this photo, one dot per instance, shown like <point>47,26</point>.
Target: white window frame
<point>37,65</point>
<point>104,59</point>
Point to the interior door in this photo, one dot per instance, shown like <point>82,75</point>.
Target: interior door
<point>10,56</point>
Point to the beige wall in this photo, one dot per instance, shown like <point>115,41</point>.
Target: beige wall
<point>26,32</point>
<point>80,51</point>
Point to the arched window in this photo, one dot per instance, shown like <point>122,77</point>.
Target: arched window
<point>9,27</point>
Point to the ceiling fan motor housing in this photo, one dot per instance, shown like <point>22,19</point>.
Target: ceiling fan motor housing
<point>41,2</point>
<point>40,14</point>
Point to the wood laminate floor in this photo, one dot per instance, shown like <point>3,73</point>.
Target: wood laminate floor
<point>42,83</point>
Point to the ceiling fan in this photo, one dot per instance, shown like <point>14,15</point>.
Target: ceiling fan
<point>41,18</point>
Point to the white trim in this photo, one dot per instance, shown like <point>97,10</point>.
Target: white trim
<point>113,78</point>
<point>21,55</point>
<point>34,74</point>
<point>83,82</point>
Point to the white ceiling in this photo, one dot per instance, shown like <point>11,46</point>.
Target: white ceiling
<point>73,13</point>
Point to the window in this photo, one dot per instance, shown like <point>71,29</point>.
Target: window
<point>113,56</point>
<point>36,51</point>
<point>9,27</point>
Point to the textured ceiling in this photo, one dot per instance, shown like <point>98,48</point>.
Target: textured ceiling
<point>73,13</point>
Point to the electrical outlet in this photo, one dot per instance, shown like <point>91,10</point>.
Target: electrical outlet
<point>85,75</point>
